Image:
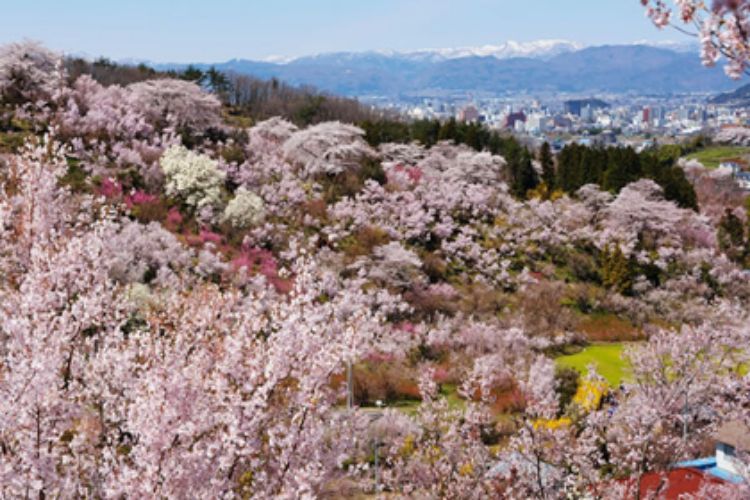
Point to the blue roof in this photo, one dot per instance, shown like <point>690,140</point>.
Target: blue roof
<point>701,463</point>
<point>709,466</point>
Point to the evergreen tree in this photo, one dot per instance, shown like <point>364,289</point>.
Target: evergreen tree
<point>590,170</point>
<point>524,177</point>
<point>495,143</point>
<point>569,168</point>
<point>473,137</point>
<point>217,82</point>
<point>425,132</point>
<point>661,169</point>
<point>548,167</point>
<point>449,131</point>
<point>623,167</point>
<point>193,74</point>
<point>732,236</point>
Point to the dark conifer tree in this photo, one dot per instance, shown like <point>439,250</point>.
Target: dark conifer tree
<point>524,177</point>
<point>548,166</point>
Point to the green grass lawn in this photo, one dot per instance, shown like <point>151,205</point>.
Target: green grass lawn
<point>410,407</point>
<point>607,358</point>
<point>711,157</point>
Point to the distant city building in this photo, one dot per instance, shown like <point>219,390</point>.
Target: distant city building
<point>513,118</point>
<point>563,122</point>
<point>587,113</point>
<point>668,119</point>
<point>575,107</point>
<point>537,122</point>
<point>468,114</point>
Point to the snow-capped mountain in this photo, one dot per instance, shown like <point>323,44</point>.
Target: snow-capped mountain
<point>539,49</point>
<point>535,50</point>
<point>542,66</point>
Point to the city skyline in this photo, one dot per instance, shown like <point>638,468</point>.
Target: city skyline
<point>226,29</point>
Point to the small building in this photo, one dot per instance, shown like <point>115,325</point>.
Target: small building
<point>676,484</point>
<point>731,438</point>
<point>743,180</point>
<point>734,167</point>
<point>689,479</point>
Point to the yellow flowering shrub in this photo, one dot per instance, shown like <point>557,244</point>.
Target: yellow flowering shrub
<point>589,394</point>
<point>552,424</point>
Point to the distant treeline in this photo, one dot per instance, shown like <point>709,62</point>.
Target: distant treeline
<point>108,72</point>
<point>262,99</point>
<point>430,132</point>
<point>244,96</point>
<point>611,168</point>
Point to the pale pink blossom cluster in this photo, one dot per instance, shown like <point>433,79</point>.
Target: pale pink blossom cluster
<point>149,349</point>
<point>721,26</point>
<point>327,148</point>
<point>29,72</point>
<point>196,391</point>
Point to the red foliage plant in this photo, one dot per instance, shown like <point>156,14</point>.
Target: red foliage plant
<point>109,188</point>
<point>138,197</point>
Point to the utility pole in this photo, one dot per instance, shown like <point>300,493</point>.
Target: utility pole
<point>349,388</point>
<point>685,418</point>
<point>377,467</point>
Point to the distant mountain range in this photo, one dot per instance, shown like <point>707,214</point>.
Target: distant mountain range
<point>544,66</point>
<point>539,49</point>
<point>739,98</point>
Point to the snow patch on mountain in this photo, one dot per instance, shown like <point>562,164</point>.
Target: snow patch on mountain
<point>507,50</point>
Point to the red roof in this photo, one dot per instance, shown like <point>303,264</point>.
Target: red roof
<point>673,484</point>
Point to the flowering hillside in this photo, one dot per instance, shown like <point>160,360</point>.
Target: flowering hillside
<point>181,299</point>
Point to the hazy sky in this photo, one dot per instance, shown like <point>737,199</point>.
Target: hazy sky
<point>217,30</point>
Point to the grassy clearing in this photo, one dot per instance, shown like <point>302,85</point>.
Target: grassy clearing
<point>607,358</point>
<point>713,156</point>
<point>410,406</point>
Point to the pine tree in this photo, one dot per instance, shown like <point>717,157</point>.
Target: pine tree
<point>623,167</point>
<point>449,131</point>
<point>569,168</point>
<point>732,236</point>
<point>548,167</point>
<point>524,177</point>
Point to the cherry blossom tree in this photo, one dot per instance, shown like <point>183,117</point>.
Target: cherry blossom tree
<point>29,72</point>
<point>327,148</point>
<point>176,103</point>
<point>195,391</point>
<point>201,355</point>
<point>721,26</point>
